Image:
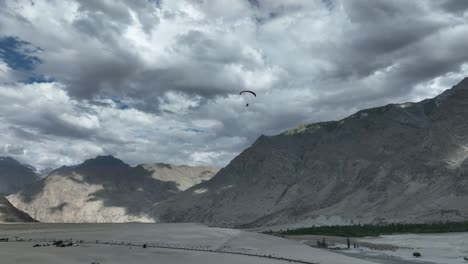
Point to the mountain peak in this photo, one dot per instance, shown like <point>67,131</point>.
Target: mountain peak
<point>9,160</point>
<point>14,175</point>
<point>457,92</point>
<point>104,161</point>
<point>463,83</point>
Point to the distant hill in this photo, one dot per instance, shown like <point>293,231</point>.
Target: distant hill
<point>14,175</point>
<point>103,189</point>
<point>396,163</point>
<point>8,213</point>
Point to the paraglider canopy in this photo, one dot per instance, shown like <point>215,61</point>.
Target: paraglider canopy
<point>248,91</point>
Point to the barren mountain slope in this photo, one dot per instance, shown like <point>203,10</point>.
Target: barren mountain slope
<point>397,163</point>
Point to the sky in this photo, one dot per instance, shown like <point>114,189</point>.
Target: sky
<point>159,81</point>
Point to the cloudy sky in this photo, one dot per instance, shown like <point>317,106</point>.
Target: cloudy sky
<point>159,80</point>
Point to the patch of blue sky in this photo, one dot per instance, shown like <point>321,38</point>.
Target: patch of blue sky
<point>119,103</point>
<point>20,56</point>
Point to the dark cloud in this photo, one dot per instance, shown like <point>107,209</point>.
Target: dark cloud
<point>14,150</point>
<point>254,3</point>
<point>115,12</point>
<point>25,135</point>
<point>330,4</point>
<point>107,72</point>
<point>455,6</point>
<point>118,13</point>
<point>378,31</point>
<point>204,71</point>
<point>92,26</point>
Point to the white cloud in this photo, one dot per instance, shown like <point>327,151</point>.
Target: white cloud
<point>55,129</point>
<point>5,72</point>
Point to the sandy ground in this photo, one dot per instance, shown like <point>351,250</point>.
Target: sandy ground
<point>17,252</point>
<point>191,236</point>
<point>449,248</point>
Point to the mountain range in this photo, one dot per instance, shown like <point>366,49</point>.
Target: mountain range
<point>105,189</point>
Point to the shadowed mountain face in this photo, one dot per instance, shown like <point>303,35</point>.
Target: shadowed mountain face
<point>397,163</point>
<point>103,189</point>
<point>14,175</point>
<point>8,213</point>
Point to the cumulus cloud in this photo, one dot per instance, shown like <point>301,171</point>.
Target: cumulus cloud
<point>155,81</point>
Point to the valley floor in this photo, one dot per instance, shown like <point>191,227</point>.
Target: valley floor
<point>167,243</point>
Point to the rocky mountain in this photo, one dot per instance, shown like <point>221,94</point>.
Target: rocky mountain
<point>8,213</point>
<point>396,163</point>
<point>103,189</point>
<point>14,175</point>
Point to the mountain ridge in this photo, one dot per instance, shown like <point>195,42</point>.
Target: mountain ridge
<point>101,189</point>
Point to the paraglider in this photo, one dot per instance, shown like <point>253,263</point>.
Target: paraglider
<point>248,91</point>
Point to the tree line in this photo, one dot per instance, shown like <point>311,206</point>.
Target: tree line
<point>363,230</point>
